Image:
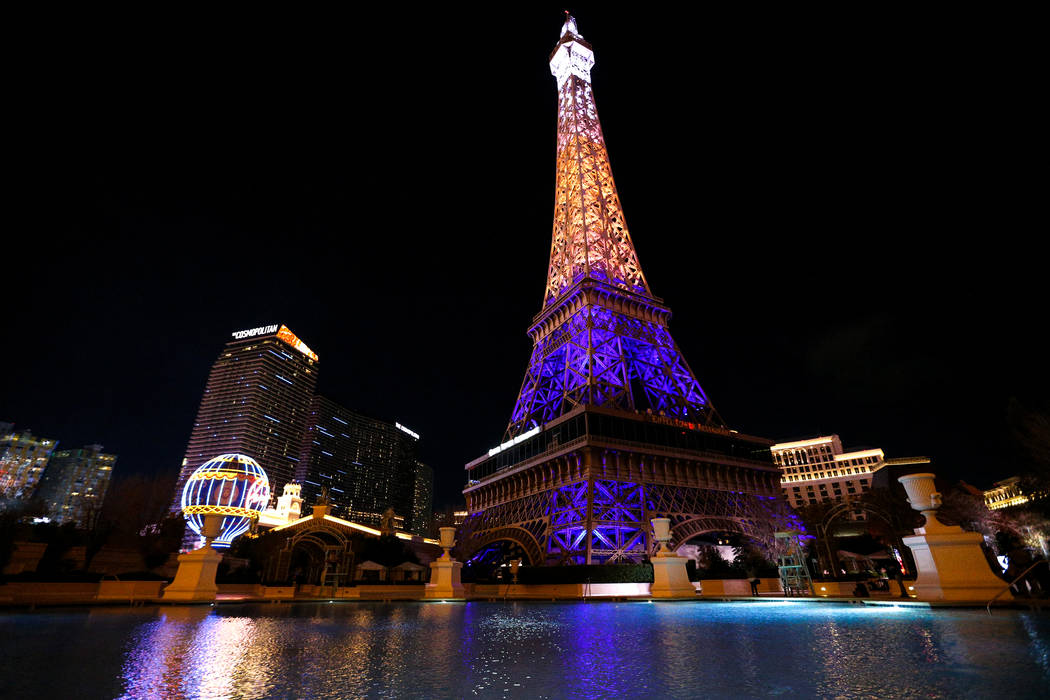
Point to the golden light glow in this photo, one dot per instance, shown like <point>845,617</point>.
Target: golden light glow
<point>802,443</point>
<point>590,233</point>
<point>354,526</point>
<point>220,510</point>
<point>292,339</point>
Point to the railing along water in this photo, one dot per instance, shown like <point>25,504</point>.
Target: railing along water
<point>1024,573</point>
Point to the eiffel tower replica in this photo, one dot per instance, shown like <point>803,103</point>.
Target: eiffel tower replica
<point>611,427</point>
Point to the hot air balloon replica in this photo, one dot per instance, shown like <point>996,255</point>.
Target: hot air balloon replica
<point>232,486</point>
<point>220,501</point>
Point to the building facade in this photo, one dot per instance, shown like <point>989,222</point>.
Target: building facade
<point>23,459</point>
<point>75,484</point>
<point>1005,494</point>
<point>448,517</point>
<point>819,471</point>
<point>256,402</point>
<point>367,465</point>
<point>422,499</point>
<point>611,427</point>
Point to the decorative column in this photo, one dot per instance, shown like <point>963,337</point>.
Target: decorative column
<point>951,563</point>
<point>195,580</point>
<point>444,573</point>
<point>670,578</point>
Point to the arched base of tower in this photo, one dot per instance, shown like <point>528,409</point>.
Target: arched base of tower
<point>577,492</point>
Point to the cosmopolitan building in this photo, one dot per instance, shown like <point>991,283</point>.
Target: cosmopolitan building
<point>75,483</point>
<point>820,471</point>
<point>367,466</point>
<point>23,457</point>
<point>256,402</point>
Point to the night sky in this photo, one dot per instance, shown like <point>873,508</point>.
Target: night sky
<point>839,209</point>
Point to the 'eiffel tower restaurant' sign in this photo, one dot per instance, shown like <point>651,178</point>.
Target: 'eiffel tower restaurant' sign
<point>611,427</point>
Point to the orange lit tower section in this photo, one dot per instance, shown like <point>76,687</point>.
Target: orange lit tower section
<point>611,427</point>
<point>601,337</point>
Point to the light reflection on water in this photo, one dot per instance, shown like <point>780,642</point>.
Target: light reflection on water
<point>526,650</point>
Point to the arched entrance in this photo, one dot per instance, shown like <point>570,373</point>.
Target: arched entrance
<point>315,553</point>
<point>683,532</point>
<point>827,558</point>
<point>485,557</point>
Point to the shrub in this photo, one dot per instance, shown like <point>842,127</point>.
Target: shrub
<point>582,573</point>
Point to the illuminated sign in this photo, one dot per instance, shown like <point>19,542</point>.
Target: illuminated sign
<point>252,332</point>
<point>406,430</point>
<point>293,340</point>
<point>524,436</point>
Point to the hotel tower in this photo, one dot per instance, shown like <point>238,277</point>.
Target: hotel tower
<point>256,402</point>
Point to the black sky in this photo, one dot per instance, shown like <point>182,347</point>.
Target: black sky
<point>841,210</point>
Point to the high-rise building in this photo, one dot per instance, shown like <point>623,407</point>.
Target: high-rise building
<point>1005,494</point>
<point>819,471</point>
<point>75,483</point>
<point>367,465</point>
<point>23,458</point>
<point>450,516</point>
<point>255,403</point>
<point>422,499</point>
<point>611,427</point>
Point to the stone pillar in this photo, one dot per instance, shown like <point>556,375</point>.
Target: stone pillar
<point>670,578</point>
<point>950,562</point>
<point>445,571</point>
<point>195,580</point>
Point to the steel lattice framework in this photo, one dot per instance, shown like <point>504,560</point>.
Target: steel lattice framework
<point>601,337</point>
<point>611,427</point>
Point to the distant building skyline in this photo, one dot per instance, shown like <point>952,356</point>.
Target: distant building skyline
<point>367,464</point>
<point>23,459</point>
<point>260,400</point>
<point>75,483</point>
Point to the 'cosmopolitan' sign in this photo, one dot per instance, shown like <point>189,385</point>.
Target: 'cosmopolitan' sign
<point>406,430</point>
<point>283,333</point>
<point>252,332</point>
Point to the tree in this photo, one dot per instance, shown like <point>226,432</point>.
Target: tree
<point>1030,431</point>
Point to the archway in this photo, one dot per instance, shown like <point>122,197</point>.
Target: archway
<point>313,554</point>
<point>689,529</point>
<point>503,544</point>
<point>829,560</point>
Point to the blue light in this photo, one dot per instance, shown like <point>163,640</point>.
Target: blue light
<point>602,357</point>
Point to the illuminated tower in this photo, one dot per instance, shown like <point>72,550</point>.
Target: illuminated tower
<point>256,403</point>
<point>601,338</point>
<point>611,427</point>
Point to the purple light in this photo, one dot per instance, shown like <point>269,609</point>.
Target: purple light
<point>602,357</point>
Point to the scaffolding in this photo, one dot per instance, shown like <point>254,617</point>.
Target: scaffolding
<point>794,574</point>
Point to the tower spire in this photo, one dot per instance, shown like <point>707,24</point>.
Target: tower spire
<point>590,236</point>
<point>601,337</point>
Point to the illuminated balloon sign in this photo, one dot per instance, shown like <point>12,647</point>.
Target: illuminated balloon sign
<point>231,485</point>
